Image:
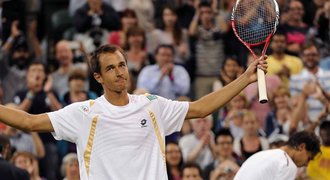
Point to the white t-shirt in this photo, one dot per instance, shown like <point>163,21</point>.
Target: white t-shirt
<point>119,142</point>
<point>270,164</point>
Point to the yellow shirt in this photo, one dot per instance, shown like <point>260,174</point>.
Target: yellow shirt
<point>319,167</point>
<point>293,63</point>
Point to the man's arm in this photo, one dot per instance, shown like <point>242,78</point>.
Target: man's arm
<point>24,121</point>
<point>215,100</point>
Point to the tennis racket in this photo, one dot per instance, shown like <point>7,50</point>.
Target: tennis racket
<point>254,22</point>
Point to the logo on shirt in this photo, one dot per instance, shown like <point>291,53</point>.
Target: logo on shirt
<point>144,123</point>
<point>84,108</point>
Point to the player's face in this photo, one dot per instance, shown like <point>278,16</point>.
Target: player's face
<point>302,157</point>
<point>191,174</point>
<point>114,72</point>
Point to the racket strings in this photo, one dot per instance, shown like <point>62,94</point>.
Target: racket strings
<point>255,20</point>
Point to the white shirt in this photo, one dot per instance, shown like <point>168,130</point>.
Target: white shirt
<point>270,164</point>
<point>119,142</point>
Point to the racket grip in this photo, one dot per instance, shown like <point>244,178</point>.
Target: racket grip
<point>262,86</point>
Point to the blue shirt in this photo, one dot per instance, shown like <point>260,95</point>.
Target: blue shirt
<point>170,88</point>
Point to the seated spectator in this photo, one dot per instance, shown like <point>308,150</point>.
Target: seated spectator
<point>225,171</point>
<point>170,32</point>
<point>64,57</point>
<point>137,57</point>
<point>224,152</point>
<point>128,20</point>
<point>76,80</point>
<point>233,118</point>
<point>8,170</point>
<point>251,142</point>
<point>198,146</point>
<point>165,78</point>
<point>70,167</point>
<point>191,171</point>
<point>28,162</point>
<point>279,119</point>
<point>93,20</point>
<point>174,161</point>
<point>318,168</point>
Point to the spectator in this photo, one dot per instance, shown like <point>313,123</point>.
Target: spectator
<point>174,161</point>
<point>295,29</point>
<point>128,20</point>
<point>209,50</point>
<point>64,57</point>
<point>251,142</point>
<point>311,73</point>
<point>15,58</point>
<point>224,152</point>
<point>145,13</point>
<point>318,168</point>
<point>137,57</point>
<point>170,32</point>
<point>93,21</point>
<point>7,170</point>
<point>198,146</point>
<point>70,167</point>
<point>191,171</point>
<point>39,98</point>
<point>280,63</point>
<point>164,78</point>
<point>28,162</point>
<point>279,119</point>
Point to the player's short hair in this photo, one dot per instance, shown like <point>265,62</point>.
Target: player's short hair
<point>224,132</point>
<point>311,141</point>
<point>94,62</point>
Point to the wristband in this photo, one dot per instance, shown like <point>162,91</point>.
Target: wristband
<point>30,95</point>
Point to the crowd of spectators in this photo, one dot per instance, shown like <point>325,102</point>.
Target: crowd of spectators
<point>178,49</point>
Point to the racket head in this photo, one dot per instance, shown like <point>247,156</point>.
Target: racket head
<point>255,21</point>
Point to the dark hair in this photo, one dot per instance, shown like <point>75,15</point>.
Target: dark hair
<point>133,31</point>
<point>192,165</point>
<point>94,62</point>
<point>223,132</point>
<point>325,133</point>
<point>204,4</point>
<point>77,74</point>
<point>168,46</point>
<point>309,44</point>
<point>169,174</point>
<point>311,141</point>
<point>127,13</point>
<point>4,141</point>
<point>35,63</point>
<point>177,30</point>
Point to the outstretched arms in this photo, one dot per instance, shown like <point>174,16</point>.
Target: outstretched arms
<point>24,121</point>
<point>213,101</point>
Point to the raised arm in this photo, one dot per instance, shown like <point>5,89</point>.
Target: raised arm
<point>24,121</point>
<point>215,100</point>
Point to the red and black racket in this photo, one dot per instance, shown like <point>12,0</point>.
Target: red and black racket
<point>254,22</point>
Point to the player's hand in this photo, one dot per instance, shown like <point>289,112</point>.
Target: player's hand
<point>251,71</point>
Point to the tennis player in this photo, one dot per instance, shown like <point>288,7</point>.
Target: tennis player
<point>119,135</point>
<point>281,164</point>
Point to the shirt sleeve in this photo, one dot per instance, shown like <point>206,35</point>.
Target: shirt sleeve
<point>67,122</point>
<point>173,114</point>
